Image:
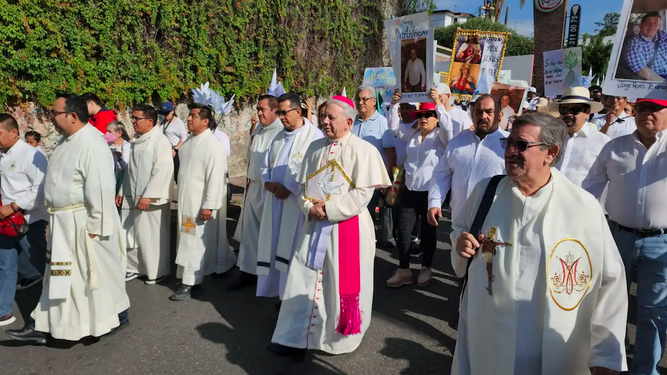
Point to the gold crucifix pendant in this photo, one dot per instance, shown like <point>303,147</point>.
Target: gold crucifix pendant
<point>488,251</point>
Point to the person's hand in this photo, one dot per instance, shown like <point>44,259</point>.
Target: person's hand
<point>435,96</point>
<point>173,153</point>
<point>396,97</point>
<point>6,211</point>
<point>205,214</point>
<point>603,371</point>
<point>608,118</point>
<point>143,204</point>
<point>119,200</point>
<point>271,187</point>
<point>254,120</point>
<point>467,244</point>
<point>317,211</point>
<point>282,192</point>
<point>434,214</point>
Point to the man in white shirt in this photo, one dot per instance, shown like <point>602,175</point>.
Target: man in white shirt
<point>633,168</point>
<point>507,111</point>
<point>144,198</point>
<point>415,73</point>
<point>469,158</point>
<point>545,283</point>
<point>406,111</point>
<point>22,171</point>
<point>174,128</point>
<point>460,119</point>
<point>615,123</point>
<point>583,144</point>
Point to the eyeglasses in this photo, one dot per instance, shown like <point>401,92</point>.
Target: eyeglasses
<point>284,113</point>
<point>364,100</point>
<point>134,119</point>
<point>53,113</point>
<point>648,106</point>
<point>520,145</point>
<point>563,110</point>
<point>424,115</point>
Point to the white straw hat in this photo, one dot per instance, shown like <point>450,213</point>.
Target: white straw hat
<point>577,95</point>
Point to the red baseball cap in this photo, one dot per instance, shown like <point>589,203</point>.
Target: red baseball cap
<point>662,103</point>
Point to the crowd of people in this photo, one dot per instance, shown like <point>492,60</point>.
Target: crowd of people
<point>555,213</point>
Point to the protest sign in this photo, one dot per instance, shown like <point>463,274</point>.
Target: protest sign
<point>562,69</point>
<point>638,64</point>
<point>414,57</point>
<point>505,76</point>
<point>520,66</point>
<point>383,80</point>
<point>476,61</point>
<point>511,101</point>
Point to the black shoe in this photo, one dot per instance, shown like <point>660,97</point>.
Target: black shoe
<point>27,334</point>
<point>183,293</point>
<point>243,281</point>
<point>286,351</point>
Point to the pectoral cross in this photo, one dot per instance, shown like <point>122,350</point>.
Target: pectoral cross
<point>188,225</point>
<point>488,251</point>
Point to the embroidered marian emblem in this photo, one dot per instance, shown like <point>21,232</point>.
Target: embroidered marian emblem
<point>569,273</point>
<point>295,162</point>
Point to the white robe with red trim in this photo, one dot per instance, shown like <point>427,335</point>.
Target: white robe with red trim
<point>311,305</point>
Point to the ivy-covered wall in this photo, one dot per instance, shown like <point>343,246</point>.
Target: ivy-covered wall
<point>134,51</point>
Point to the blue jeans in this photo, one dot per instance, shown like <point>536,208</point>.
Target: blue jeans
<point>34,243</point>
<point>649,257</point>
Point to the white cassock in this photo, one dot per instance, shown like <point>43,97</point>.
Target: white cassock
<point>311,308</point>
<point>253,204</point>
<point>150,170</point>
<point>282,219</point>
<point>203,247</point>
<point>559,302</point>
<point>84,283</point>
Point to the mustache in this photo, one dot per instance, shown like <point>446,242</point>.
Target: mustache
<point>484,122</point>
<point>514,159</point>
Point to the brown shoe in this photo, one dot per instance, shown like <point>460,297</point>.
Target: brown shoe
<point>424,276</point>
<point>399,278</point>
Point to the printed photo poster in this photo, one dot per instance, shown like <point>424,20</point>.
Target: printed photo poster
<point>562,69</point>
<point>414,58</point>
<point>476,62</point>
<point>638,64</point>
<point>511,102</point>
<point>383,80</point>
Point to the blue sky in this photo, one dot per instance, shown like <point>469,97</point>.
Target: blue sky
<point>522,19</point>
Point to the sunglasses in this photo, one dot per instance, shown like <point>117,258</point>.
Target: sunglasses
<point>424,115</point>
<point>563,110</point>
<point>648,106</point>
<point>284,113</point>
<point>520,145</point>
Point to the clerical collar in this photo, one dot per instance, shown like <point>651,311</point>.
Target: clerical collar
<point>341,140</point>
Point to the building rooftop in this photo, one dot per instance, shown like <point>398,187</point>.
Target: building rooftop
<point>458,14</point>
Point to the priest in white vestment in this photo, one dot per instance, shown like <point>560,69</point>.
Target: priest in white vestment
<point>84,289</point>
<point>253,203</point>
<point>328,297</point>
<point>144,199</point>
<point>282,218</point>
<point>546,295</point>
<point>202,247</point>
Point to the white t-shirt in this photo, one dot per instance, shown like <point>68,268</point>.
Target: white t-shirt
<point>175,131</point>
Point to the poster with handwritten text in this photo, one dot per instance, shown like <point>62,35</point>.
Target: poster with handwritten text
<point>562,69</point>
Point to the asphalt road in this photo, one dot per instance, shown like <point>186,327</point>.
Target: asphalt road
<point>221,332</point>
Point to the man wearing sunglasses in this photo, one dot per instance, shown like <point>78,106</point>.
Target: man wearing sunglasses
<point>615,122</point>
<point>584,142</point>
<point>546,285</point>
<point>632,168</point>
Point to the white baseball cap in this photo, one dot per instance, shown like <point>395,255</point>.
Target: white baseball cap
<point>442,88</point>
<point>533,90</point>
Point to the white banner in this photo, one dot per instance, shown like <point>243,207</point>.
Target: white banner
<point>562,69</point>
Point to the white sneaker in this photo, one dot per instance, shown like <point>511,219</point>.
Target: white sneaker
<point>7,320</point>
<point>129,276</point>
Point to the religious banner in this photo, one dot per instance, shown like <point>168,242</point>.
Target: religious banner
<point>476,61</point>
<point>414,57</point>
<point>562,69</point>
<point>638,64</point>
<point>383,80</point>
<point>547,6</point>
